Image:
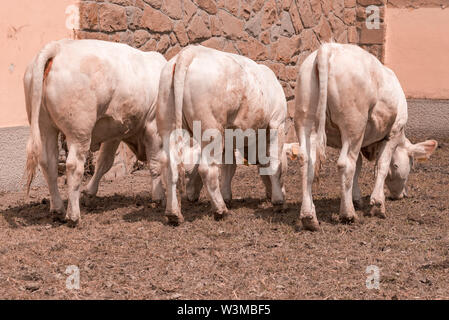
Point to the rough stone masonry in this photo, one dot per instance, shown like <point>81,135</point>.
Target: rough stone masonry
<point>277,33</point>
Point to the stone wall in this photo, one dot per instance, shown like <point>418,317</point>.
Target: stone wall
<point>278,33</point>
<point>372,40</point>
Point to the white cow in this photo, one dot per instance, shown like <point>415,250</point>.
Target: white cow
<point>221,91</point>
<point>346,98</point>
<point>98,94</point>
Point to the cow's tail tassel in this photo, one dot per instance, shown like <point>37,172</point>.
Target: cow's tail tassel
<point>34,145</point>
<point>321,139</point>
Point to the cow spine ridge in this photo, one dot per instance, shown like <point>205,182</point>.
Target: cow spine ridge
<point>34,144</point>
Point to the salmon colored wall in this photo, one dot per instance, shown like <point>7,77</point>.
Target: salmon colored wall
<point>25,26</point>
<point>417,49</point>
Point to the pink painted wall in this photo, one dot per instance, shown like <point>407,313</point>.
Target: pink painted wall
<point>25,26</point>
<point>417,49</point>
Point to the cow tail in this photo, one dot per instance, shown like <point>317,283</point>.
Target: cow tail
<point>323,75</point>
<point>183,62</point>
<point>34,145</point>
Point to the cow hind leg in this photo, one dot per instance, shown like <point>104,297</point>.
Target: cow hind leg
<point>210,175</point>
<point>227,173</point>
<point>307,160</point>
<point>49,164</point>
<point>272,179</point>
<point>154,155</point>
<point>171,173</point>
<point>267,183</point>
<point>275,176</point>
<point>377,201</point>
<point>104,163</point>
<point>275,169</point>
<point>346,164</point>
<point>75,171</point>
<point>194,185</point>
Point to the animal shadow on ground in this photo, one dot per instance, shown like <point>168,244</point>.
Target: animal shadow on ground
<point>29,214</point>
<point>38,212</point>
<point>190,211</point>
<point>327,210</point>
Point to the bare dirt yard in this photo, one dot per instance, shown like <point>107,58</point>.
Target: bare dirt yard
<point>124,249</point>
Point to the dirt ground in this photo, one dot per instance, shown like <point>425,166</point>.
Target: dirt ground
<point>124,250</point>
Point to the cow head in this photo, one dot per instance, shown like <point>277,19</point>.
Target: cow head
<point>402,162</point>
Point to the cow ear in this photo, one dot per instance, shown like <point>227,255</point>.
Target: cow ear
<point>294,151</point>
<point>291,150</point>
<point>422,150</point>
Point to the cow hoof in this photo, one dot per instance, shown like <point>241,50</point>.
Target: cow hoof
<point>58,212</point>
<point>89,193</point>
<point>349,218</point>
<point>159,199</point>
<point>310,223</point>
<point>378,210</point>
<point>228,203</point>
<point>193,199</point>
<point>298,225</point>
<point>220,215</point>
<point>174,219</point>
<point>157,203</point>
<point>72,222</point>
<point>280,208</point>
<point>367,213</point>
<point>358,204</point>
